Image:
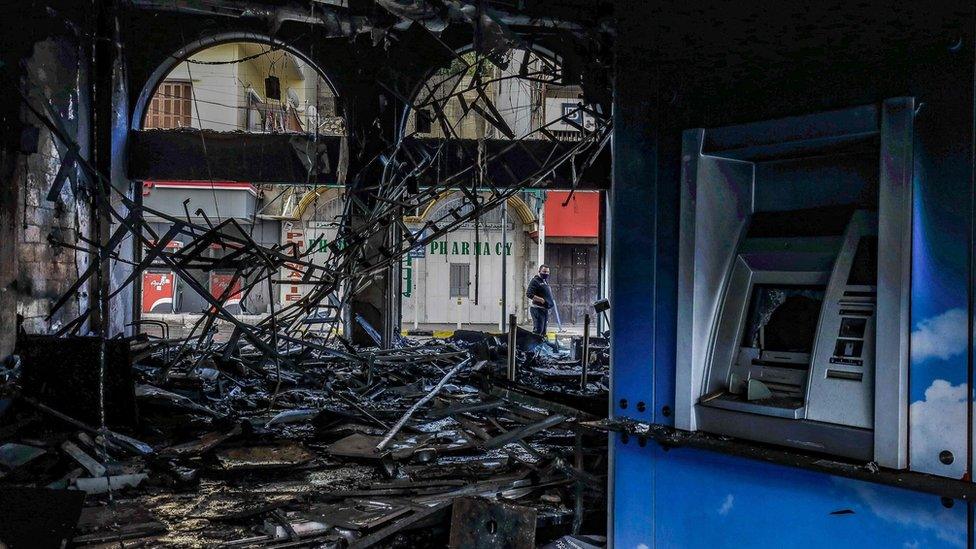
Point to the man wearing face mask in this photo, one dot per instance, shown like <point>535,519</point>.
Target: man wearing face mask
<point>540,294</point>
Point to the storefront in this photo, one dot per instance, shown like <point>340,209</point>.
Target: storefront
<point>458,277</point>
<point>203,203</point>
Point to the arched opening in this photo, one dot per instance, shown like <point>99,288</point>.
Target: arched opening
<point>522,94</point>
<point>242,85</point>
<point>480,109</point>
<point>222,88</point>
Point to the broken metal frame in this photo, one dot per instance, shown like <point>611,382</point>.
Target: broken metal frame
<point>352,262</point>
<point>354,258</point>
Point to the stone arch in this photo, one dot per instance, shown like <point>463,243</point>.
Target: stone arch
<point>173,60</point>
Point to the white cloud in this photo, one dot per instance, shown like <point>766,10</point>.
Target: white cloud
<point>939,423</point>
<point>949,527</point>
<point>941,336</point>
<point>642,546</point>
<point>914,544</point>
<point>726,505</point>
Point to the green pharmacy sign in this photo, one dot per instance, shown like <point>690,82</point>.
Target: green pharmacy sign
<point>443,247</point>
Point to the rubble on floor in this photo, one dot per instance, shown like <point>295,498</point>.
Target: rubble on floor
<point>323,445</point>
<point>286,434</point>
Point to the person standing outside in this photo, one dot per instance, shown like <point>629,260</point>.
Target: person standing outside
<point>540,294</point>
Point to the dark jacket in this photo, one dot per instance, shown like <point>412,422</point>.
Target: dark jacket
<point>539,287</point>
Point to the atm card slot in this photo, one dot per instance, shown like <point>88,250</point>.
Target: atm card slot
<point>841,374</point>
<point>856,312</point>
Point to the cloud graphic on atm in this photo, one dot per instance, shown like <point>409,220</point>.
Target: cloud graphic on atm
<point>726,505</point>
<point>942,336</point>
<point>937,423</point>
<point>919,515</point>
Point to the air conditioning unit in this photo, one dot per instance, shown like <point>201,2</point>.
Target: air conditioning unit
<point>565,114</point>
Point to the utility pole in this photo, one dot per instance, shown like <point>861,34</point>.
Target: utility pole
<point>504,264</point>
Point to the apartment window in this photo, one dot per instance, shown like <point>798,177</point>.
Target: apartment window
<point>171,106</point>
<point>460,277</point>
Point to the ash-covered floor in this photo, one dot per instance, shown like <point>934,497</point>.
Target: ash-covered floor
<point>422,445</point>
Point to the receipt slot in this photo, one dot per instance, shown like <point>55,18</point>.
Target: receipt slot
<point>793,282</point>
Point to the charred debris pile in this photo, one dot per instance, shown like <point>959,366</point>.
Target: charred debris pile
<point>428,443</point>
<point>283,433</point>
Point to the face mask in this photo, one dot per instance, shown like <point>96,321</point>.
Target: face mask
<point>544,276</point>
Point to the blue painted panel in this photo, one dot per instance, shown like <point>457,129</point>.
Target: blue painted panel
<point>632,516</point>
<point>939,392</point>
<point>712,500</point>
<point>632,308</point>
<point>668,205</point>
<point>633,274</point>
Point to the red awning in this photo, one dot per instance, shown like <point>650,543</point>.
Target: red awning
<point>579,218</point>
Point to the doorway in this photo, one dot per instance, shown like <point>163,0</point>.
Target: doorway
<point>575,279</point>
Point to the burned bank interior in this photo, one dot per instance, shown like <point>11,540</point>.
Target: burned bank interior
<point>266,271</point>
<point>168,153</point>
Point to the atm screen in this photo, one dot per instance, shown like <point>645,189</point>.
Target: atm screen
<point>783,317</point>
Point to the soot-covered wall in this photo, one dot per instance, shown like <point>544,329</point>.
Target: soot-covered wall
<point>46,56</point>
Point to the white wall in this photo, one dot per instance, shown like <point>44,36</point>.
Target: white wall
<point>220,90</point>
<point>431,278</point>
<point>428,297</point>
<point>213,87</point>
<point>305,233</point>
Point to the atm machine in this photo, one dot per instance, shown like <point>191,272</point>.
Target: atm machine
<point>785,335</point>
